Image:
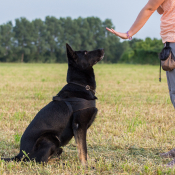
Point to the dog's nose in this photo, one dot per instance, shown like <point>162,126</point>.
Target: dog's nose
<point>102,50</point>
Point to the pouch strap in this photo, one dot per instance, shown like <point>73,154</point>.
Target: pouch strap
<point>160,72</point>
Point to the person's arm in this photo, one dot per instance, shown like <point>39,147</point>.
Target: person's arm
<point>160,10</point>
<point>142,18</point>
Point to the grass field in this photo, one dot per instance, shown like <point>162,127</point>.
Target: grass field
<point>134,124</point>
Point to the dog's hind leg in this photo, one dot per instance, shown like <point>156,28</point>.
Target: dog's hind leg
<point>43,154</point>
<point>45,147</point>
<point>59,151</point>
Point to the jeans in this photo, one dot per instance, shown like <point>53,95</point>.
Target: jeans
<point>171,79</point>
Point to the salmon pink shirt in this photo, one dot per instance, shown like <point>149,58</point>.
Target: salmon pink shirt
<point>168,21</point>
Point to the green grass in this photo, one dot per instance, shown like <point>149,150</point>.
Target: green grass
<point>134,124</point>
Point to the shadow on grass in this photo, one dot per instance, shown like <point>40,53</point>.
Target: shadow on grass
<point>132,153</point>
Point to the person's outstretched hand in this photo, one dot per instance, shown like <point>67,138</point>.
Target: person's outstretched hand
<point>121,35</point>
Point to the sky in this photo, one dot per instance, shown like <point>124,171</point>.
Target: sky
<point>122,12</point>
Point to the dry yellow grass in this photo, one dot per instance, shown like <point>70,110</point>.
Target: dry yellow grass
<point>134,124</point>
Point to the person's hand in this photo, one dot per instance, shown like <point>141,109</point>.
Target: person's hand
<point>121,35</point>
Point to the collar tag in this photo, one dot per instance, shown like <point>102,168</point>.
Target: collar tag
<point>88,87</point>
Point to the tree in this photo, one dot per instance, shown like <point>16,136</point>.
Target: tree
<point>44,41</point>
<point>6,39</point>
<point>39,44</point>
<point>23,37</point>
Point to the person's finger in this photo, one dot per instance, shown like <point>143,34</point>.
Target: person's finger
<point>115,31</point>
<point>112,30</point>
<point>121,35</point>
<point>109,30</point>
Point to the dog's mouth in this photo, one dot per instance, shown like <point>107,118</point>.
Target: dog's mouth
<point>99,59</point>
<point>102,55</point>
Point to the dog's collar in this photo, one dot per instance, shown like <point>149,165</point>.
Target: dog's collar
<point>87,87</point>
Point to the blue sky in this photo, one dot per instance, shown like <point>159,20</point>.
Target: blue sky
<point>122,12</point>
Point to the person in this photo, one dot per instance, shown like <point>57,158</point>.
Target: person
<point>167,8</point>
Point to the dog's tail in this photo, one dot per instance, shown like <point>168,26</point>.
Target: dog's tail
<point>16,158</point>
<point>8,159</point>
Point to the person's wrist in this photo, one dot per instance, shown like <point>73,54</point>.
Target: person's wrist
<point>128,35</point>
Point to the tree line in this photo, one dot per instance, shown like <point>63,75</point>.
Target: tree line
<point>44,41</point>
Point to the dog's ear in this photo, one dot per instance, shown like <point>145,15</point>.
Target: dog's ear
<point>70,53</point>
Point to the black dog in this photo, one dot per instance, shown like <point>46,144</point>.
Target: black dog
<point>70,113</point>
